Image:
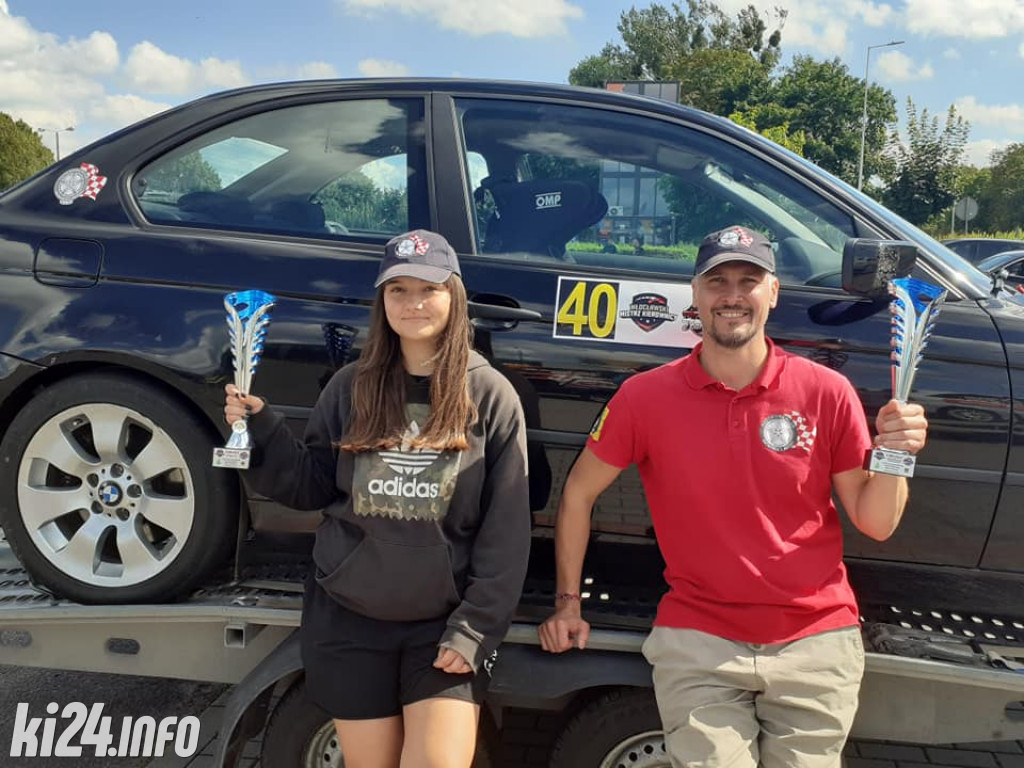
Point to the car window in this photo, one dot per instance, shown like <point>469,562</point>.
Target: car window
<point>338,169</point>
<point>588,186</point>
<point>988,248</point>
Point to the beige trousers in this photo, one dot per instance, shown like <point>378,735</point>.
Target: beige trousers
<point>726,704</point>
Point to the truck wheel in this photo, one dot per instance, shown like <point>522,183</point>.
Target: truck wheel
<point>301,735</point>
<point>621,729</point>
<point>107,494</point>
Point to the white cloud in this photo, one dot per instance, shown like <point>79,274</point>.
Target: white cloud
<point>828,37</point>
<point>95,55</point>
<point>898,67</point>
<point>1008,117</point>
<point>124,109</point>
<point>873,14</point>
<point>974,19</point>
<point>382,68</point>
<point>979,153</point>
<point>217,73</point>
<point>316,70</point>
<point>17,37</point>
<point>521,18</point>
<point>820,25</point>
<point>3,8</point>
<point>152,70</point>
<point>951,54</point>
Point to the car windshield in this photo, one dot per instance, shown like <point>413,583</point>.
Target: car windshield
<point>958,266</point>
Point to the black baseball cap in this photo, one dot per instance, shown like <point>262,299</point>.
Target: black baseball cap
<point>734,244</point>
<point>420,253</point>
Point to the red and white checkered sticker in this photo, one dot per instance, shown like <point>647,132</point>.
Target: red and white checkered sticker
<point>83,181</point>
<point>736,236</point>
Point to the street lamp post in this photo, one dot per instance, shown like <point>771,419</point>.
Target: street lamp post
<point>56,135</point>
<point>864,115</point>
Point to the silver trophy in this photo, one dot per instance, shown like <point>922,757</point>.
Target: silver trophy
<point>248,318</point>
<point>915,305</point>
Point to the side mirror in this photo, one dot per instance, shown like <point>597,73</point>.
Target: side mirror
<point>869,265</point>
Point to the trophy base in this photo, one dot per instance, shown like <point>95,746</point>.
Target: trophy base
<point>231,458</point>
<point>890,462</point>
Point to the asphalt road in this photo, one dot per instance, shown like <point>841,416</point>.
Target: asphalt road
<point>121,695</point>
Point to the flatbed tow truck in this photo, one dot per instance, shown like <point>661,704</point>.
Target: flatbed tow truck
<point>961,680</point>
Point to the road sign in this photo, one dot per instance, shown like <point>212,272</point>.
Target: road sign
<point>966,208</point>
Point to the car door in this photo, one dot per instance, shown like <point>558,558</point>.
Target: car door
<point>591,217</point>
<point>296,199</point>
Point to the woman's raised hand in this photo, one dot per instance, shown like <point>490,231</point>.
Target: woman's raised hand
<point>238,406</point>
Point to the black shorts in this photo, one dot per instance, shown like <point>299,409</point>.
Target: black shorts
<point>358,668</point>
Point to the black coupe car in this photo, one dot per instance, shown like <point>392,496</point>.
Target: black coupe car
<point>115,262</point>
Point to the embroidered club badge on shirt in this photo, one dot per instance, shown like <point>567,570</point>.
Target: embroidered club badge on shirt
<point>782,431</point>
<point>83,181</point>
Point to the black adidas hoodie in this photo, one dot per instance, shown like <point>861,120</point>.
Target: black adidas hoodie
<point>411,535</point>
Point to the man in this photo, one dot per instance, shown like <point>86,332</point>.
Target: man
<point>756,647</point>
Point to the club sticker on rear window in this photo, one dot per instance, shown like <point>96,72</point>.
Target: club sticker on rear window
<point>83,181</point>
<point>627,312</point>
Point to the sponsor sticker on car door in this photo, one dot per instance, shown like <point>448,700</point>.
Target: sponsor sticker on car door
<point>626,312</point>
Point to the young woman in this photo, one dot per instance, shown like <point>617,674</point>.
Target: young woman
<point>417,453</point>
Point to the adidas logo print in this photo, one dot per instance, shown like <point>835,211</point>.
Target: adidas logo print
<point>407,462</point>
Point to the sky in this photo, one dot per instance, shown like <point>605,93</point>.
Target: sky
<point>101,65</point>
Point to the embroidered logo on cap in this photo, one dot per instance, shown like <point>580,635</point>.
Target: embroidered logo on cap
<point>736,236</point>
<point>411,245</point>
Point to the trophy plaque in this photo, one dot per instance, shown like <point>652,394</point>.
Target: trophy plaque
<point>914,306</point>
<point>248,317</point>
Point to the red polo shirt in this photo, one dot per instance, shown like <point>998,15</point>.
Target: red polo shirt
<point>739,486</point>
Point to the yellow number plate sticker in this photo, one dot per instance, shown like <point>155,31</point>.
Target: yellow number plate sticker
<point>586,309</point>
<point>626,312</point>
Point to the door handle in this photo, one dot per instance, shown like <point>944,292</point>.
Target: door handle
<point>483,311</point>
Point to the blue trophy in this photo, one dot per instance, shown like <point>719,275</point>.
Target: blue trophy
<point>248,318</point>
<point>915,305</point>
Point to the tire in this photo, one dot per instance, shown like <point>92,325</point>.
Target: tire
<point>301,735</point>
<point>107,494</point>
<point>621,729</point>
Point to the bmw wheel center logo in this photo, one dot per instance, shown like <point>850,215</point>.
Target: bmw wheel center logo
<point>110,493</point>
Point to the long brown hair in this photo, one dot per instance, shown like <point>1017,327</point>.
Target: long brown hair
<point>378,391</point>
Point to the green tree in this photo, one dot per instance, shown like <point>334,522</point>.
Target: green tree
<point>356,202</point>
<point>188,173</point>
<point>657,39</point>
<point>1001,204</point>
<point>720,80</point>
<point>825,102</point>
<point>22,152</point>
<point>778,132</point>
<point>609,64</point>
<point>927,165</point>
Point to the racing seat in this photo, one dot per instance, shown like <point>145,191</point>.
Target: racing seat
<point>540,216</point>
<point>209,207</point>
<point>297,216</point>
